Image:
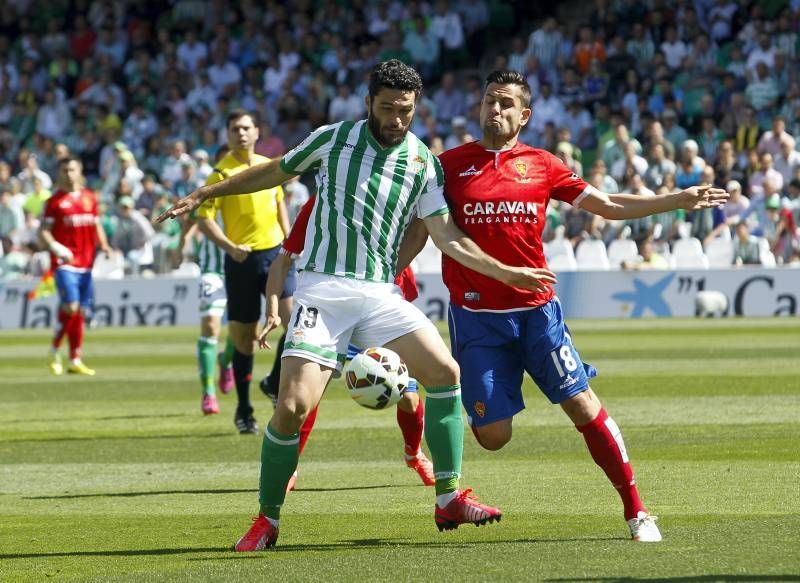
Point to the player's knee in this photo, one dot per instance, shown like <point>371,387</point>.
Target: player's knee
<point>444,374</point>
<point>493,438</point>
<point>71,308</point>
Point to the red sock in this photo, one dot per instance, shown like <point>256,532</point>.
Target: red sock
<point>61,328</point>
<point>604,440</point>
<point>412,426</point>
<point>75,335</point>
<point>305,430</point>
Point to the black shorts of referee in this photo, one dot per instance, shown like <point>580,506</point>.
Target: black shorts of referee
<point>245,284</point>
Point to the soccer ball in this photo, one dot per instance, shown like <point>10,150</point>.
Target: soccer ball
<point>376,378</point>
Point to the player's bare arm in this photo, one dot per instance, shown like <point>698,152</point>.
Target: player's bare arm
<point>454,243</point>
<point>413,242</point>
<point>56,248</point>
<point>102,241</point>
<point>283,218</point>
<point>254,179</point>
<point>211,229</point>
<point>276,279</point>
<point>632,206</point>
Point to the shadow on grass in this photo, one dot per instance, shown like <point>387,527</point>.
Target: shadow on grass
<point>108,437</point>
<point>110,418</point>
<point>208,491</point>
<point>353,544</point>
<point>688,579</point>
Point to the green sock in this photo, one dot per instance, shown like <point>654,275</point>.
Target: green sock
<point>206,357</point>
<point>279,455</point>
<point>444,433</point>
<point>227,355</point>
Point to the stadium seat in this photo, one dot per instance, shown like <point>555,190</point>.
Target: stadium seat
<point>720,252</point>
<point>621,250</point>
<point>688,254</point>
<point>765,253</point>
<point>591,255</point>
<point>429,259</point>
<point>187,269</point>
<point>559,255</point>
<point>112,267</point>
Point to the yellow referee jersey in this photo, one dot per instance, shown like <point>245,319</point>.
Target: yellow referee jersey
<point>249,219</point>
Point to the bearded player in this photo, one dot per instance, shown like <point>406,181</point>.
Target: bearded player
<point>498,190</point>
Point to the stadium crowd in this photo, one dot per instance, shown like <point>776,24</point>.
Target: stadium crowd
<point>641,97</point>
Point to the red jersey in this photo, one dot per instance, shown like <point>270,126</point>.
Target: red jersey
<point>499,199</point>
<point>296,241</point>
<point>72,219</point>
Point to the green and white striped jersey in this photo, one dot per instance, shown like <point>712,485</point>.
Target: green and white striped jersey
<point>367,195</point>
<point>210,258</point>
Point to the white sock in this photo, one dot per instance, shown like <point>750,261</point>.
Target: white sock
<point>443,500</point>
<point>75,360</point>
<point>411,457</point>
<point>273,521</point>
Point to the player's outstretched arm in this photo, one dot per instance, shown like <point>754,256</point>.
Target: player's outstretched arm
<point>255,178</point>
<point>454,243</point>
<point>278,272</point>
<point>633,206</point>
<point>414,240</point>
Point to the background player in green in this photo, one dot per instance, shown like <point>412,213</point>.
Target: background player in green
<point>213,301</point>
<point>374,178</point>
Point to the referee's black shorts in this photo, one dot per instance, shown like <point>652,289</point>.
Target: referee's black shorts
<point>245,284</point>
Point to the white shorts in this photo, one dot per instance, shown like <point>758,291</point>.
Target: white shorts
<point>330,312</point>
<point>213,299</point>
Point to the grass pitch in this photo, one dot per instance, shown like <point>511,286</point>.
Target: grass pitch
<point>119,476</point>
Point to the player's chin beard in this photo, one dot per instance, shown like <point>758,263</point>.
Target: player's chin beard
<point>386,141</point>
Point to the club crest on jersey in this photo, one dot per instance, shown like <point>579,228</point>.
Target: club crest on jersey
<point>471,171</point>
<point>480,409</point>
<point>522,169</point>
<point>87,203</point>
<point>417,165</point>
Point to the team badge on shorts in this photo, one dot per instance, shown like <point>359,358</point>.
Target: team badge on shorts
<point>480,409</point>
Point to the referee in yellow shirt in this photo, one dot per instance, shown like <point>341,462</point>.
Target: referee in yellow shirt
<point>254,228</point>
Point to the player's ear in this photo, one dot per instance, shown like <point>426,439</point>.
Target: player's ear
<point>525,116</point>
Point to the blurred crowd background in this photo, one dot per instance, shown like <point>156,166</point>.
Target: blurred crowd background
<point>636,96</point>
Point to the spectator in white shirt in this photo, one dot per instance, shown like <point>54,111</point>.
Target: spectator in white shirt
<point>674,49</point>
<point>548,108</point>
<point>631,162</point>
<point>53,118</point>
<point>30,171</point>
<point>446,25</point>
<point>203,96</point>
<point>223,74</point>
<point>787,162</point>
<point>191,52</point>
<point>772,140</point>
<point>763,53</point>
<point>345,106</point>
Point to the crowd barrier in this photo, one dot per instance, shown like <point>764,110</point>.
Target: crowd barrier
<point>171,301</point>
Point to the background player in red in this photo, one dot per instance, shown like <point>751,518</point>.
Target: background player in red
<point>72,232</point>
<point>498,190</point>
<point>410,410</point>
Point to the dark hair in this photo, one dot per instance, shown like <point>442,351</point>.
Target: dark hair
<point>239,113</point>
<point>509,77</point>
<point>394,74</point>
<point>67,159</point>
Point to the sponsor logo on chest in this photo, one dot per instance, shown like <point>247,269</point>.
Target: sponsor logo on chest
<point>79,220</point>
<point>504,211</point>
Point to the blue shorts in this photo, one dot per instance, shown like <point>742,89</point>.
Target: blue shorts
<point>495,349</point>
<point>75,286</point>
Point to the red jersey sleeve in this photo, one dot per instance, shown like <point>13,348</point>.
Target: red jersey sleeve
<point>407,283</point>
<point>296,241</point>
<point>564,183</point>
